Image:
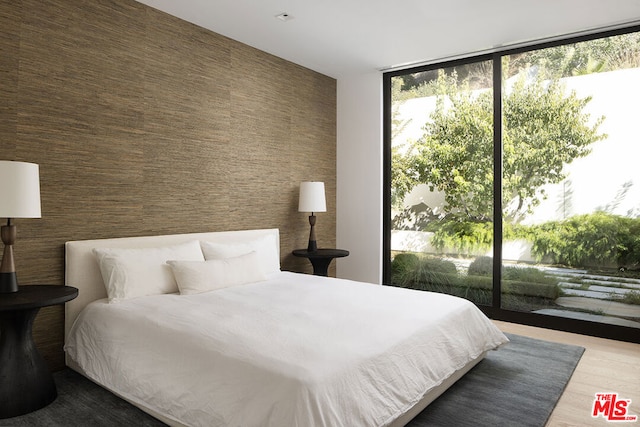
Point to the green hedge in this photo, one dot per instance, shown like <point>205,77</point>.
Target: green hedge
<point>598,239</point>
<point>432,274</point>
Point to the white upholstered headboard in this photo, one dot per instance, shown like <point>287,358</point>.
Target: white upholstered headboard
<point>82,270</point>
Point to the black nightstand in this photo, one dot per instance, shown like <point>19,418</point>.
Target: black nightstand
<point>26,383</point>
<point>321,258</point>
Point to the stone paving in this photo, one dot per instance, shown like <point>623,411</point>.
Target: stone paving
<point>601,306</point>
<point>626,284</point>
<point>594,291</point>
<point>592,295</point>
<point>595,297</point>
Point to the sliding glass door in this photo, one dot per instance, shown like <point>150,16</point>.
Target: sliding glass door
<point>442,180</point>
<point>512,181</point>
<point>572,181</point>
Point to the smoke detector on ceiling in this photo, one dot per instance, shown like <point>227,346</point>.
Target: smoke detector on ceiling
<point>284,16</point>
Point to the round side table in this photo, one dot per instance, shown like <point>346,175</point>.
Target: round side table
<point>321,258</point>
<point>26,383</point>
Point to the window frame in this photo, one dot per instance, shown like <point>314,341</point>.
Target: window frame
<point>495,311</point>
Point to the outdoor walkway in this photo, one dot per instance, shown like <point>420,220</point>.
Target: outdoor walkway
<point>587,296</point>
<point>602,306</point>
<point>595,298</point>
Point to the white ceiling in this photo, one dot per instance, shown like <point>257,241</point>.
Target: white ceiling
<point>346,37</point>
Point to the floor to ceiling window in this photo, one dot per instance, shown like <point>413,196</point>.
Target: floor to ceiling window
<point>512,181</point>
<point>442,179</point>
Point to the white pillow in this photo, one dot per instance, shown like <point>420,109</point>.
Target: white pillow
<point>130,273</point>
<point>194,277</point>
<point>265,247</point>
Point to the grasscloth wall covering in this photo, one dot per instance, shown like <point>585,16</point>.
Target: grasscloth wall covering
<point>145,124</point>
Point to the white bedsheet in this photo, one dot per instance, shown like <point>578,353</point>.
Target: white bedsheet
<point>295,350</point>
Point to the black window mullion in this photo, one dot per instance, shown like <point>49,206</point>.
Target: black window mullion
<point>497,180</point>
<point>386,196</point>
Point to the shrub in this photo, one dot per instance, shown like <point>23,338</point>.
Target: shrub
<point>403,262</point>
<point>527,274</point>
<point>437,275</point>
<point>543,290</point>
<point>531,289</point>
<point>481,266</point>
<point>527,281</point>
<point>411,271</point>
<point>597,239</point>
<point>463,236</point>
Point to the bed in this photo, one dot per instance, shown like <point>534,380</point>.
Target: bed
<point>222,337</point>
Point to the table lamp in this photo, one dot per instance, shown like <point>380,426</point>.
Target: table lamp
<point>19,198</point>
<point>312,200</point>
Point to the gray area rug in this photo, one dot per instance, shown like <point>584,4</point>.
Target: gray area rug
<point>519,384</point>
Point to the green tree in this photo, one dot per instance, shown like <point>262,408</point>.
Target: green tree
<point>544,128</point>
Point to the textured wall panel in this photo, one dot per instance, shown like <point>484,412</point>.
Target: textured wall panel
<point>145,124</point>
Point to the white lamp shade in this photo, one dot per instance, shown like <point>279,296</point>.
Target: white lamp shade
<point>312,197</point>
<point>19,190</point>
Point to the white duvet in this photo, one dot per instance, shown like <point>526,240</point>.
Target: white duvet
<point>295,350</point>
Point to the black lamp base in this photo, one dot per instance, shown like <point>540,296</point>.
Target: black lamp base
<point>313,245</point>
<point>8,283</point>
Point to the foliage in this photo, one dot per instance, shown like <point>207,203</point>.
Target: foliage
<point>481,266</point>
<point>600,239</point>
<point>403,177</point>
<point>592,56</point>
<point>542,125</point>
<point>544,129</point>
<point>424,273</point>
<point>409,269</point>
<point>402,262</point>
<point>597,239</point>
<point>479,75</point>
<point>464,236</point>
<point>433,274</point>
<point>455,154</point>
<point>528,275</point>
<point>417,217</point>
<point>534,289</point>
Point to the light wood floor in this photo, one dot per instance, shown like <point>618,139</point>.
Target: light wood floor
<point>606,366</point>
